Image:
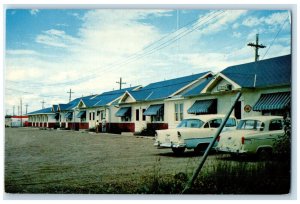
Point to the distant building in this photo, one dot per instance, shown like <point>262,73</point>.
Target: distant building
<point>16,121</point>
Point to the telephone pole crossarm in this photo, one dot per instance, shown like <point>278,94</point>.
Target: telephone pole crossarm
<point>256,47</point>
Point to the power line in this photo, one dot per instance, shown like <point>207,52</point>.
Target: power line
<point>283,23</point>
<point>144,52</point>
<point>159,47</point>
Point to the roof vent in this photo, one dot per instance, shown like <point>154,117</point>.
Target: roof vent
<point>226,87</point>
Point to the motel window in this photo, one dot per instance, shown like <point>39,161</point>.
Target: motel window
<point>144,117</point>
<point>126,118</point>
<point>178,111</point>
<point>93,115</point>
<point>159,116</point>
<point>98,113</point>
<point>137,114</point>
<point>102,115</point>
<point>90,115</point>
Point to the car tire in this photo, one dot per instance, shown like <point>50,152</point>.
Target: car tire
<point>178,151</point>
<point>201,148</point>
<point>264,154</point>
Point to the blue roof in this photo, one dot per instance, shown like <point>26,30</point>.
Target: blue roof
<point>105,98</point>
<point>270,72</point>
<point>41,111</point>
<point>163,89</point>
<point>198,88</point>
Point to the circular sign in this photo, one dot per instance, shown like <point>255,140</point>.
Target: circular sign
<point>247,108</point>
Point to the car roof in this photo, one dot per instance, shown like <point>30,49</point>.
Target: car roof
<point>263,117</point>
<point>208,117</point>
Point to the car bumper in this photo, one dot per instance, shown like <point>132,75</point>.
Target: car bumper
<point>230,150</point>
<point>168,145</point>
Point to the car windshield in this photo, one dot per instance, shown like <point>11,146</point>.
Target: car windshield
<point>190,123</point>
<point>250,125</point>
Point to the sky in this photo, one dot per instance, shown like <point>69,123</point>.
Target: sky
<point>48,52</point>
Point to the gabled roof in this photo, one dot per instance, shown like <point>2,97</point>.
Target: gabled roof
<point>196,90</point>
<point>105,98</point>
<point>270,72</point>
<point>163,89</point>
<point>54,108</point>
<point>42,111</point>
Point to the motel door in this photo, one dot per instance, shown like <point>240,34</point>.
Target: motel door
<point>237,110</point>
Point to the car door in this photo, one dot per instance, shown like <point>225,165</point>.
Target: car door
<point>272,131</point>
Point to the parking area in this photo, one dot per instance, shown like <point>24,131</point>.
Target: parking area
<point>38,161</point>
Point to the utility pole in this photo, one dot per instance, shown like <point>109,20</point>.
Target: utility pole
<point>13,110</point>
<point>120,82</point>
<point>26,108</point>
<point>70,92</point>
<point>43,103</point>
<point>18,111</point>
<point>256,47</point>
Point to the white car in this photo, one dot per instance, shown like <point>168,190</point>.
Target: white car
<point>254,135</point>
<point>192,133</point>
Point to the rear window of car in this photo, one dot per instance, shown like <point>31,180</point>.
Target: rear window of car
<point>230,122</point>
<point>190,123</point>
<point>250,125</point>
<point>275,125</point>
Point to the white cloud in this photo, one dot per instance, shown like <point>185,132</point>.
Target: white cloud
<point>272,20</point>
<point>220,21</point>
<point>34,11</point>
<point>21,52</point>
<point>56,38</point>
<point>236,34</point>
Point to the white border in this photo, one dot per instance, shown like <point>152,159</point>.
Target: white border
<point>188,4</point>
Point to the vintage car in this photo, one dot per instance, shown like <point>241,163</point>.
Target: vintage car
<point>253,136</point>
<point>192,133</point>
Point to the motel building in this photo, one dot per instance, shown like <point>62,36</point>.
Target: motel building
<point>101,108</point>
<point>147,108</point>
<point>42,118</point>
<point>265,86</point>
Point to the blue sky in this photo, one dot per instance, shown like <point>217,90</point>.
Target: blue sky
<point>50,51</point>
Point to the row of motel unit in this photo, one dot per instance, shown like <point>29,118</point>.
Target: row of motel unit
<point>265,87</point>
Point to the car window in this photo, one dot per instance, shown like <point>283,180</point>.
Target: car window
<point>275,125</point>
<point>206,125</point>
<point>250,125</point>
<point>215,123</point>
<point>190,123</point>
<point>230,122</point>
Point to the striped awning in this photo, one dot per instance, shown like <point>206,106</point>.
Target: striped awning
<point>273,101</point>
<point>201,106</point>
<point>153,109</point>
<point>80,114</point>
<point>124,111</point>
<point>69,115</point>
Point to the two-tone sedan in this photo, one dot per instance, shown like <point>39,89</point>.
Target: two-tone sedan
<point>253,136</point>
<point>192,133</point>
